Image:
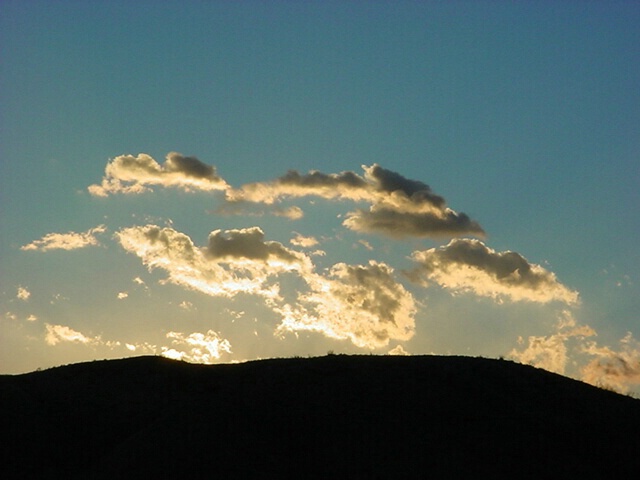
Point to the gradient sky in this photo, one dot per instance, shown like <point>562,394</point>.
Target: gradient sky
<point>222,181</point>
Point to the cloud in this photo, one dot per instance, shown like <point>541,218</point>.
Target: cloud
<point>185,305</point>
<point>122,295</point>
<point>397,223</point>
<point>61,333</point>
<point>398,350</point>
<point>302,241</point>
<point>362,303</point>
<point>128,174</point>
<point>197,347</point>
<point>23,294</point>
<point>551,352</point>
<point>345,185</point>
<point>66,241</point>
<point>234,261</point>
<point>248,209</point>
<point>466,265</point>
<point>612,369</point>
<point>399,206</point>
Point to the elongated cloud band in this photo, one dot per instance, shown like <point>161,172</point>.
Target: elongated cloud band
<point>466,265</point>
<point>66,241</point>
<point>399,206</point>
<point>129,174</point>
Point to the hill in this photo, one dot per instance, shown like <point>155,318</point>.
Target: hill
<point>329,417</point>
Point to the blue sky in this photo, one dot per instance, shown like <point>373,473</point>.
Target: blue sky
<point>523,119</point>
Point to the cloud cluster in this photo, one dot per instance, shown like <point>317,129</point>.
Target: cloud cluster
<point>197,347</point>
<point>235,261</point>
<point>468,265</point>
<point>551,352</point>
<point>614,369</point>
<point>362,303</point>
<point>66,241</point>
<point>399,206</point>
<point>128,174</point>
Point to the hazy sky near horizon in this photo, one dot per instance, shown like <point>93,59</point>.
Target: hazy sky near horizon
<point>223,181</point>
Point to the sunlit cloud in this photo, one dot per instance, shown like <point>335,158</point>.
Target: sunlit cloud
<point>399,206</point>
<point>61,333</point>
<point>23,294</point>
<point>614,369</point>
<point>233,262</point>
<point>249,209</point>
<point>66,241</point>
<point>127,174</point>
<point>552,352</point>
<point>196,347</point>
<point>398,350</point>
<point>466,265</point>
<point>397,223</point>
<point>303,241</point>
<point>122,295</point>
<point>32,318</point>
<point>361,303</point>
<point>186,305</point>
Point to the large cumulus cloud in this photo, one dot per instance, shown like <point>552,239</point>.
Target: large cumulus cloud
<point>129,174</point>
<point>468,265</point>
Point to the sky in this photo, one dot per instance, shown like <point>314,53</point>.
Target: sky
<point>226,181</point>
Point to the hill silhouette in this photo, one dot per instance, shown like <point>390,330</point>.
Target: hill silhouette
<point>337,416</point>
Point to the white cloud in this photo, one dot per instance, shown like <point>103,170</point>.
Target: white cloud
<point>128,174</point>
<point>23,294</point>
<point>303,241</point>
<point>235,261</point>
<point>32,318</point>
<point>398,350</point>
<point>466,265</point>
<point>66,241</point>
<point>197,347</point>
<point>186,305</point>
<point>122,295</point>
<point>61,333</point>
<point>362,303</point>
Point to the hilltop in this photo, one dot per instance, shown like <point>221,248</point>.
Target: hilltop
<point>337,416</point>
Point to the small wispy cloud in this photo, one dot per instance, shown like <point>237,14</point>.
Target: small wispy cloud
<point>127,174</point>
<point>61,333</point>
<point>398,350</point>
<point>23,294</point>
<point>303,241</point>
<point>615,369</point>
<point>122,295</point>
<point>66,241</point>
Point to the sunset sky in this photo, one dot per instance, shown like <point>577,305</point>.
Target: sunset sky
<point>225,181</point>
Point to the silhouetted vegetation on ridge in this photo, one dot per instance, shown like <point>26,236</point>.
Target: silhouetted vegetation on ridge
<point>337,416</point>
